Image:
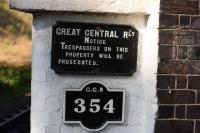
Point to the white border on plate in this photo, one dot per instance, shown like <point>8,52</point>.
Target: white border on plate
<point>107,122</point>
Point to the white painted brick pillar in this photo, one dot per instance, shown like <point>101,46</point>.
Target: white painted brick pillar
<point>47,86</point>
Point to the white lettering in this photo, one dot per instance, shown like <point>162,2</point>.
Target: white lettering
<point>100,33</point>
<point>125,35</point>
<point>68,31</point>
<point>77,62</point>
<point>122,49</point>
<point>87,40</point>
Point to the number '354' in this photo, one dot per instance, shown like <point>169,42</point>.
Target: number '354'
<point>94,106</point>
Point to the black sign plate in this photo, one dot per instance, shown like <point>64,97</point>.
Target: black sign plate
<point>94,48</point>
<point>94,106</point>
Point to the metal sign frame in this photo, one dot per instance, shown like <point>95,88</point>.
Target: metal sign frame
<point>113,66</point>
<point>107,122</point>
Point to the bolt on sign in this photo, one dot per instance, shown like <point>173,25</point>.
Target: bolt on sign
<point>94,106</point>
<point>93,48</point>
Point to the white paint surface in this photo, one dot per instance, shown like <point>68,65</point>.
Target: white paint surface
<point>101,6</point>
<point>47,87</point>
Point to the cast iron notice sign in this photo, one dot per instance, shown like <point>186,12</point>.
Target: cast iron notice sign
<point>94,106</point>
<point>88,48</point>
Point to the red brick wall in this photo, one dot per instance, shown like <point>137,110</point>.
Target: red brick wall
<point>178,85</point>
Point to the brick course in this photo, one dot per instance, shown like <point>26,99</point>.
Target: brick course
<point>165,112</point>
<point>179,6</point>
<point>180,112</point>
<point>181,82</point>
<point>184,21</point>
<point>166,82</point>
<point>173,67</point>
<point>194,82</point>
<point>177,37</point>
<point>194,53</point>
<point>182,52</point>
<point>195,22</point>
<point>178,80</point>
<point>176,97</point>
<point>193,112</point>
<point>197,127</point>
<point>174,126</point>
<point>167,52</point>
<point>168,21</point>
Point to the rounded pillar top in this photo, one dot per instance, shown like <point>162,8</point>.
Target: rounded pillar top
<point>94,6</point>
